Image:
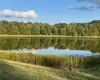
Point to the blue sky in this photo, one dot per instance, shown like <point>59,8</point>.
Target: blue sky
<point>54,11</point>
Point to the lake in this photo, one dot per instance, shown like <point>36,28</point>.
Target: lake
<point>60,46</point>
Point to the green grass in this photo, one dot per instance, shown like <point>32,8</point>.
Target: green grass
<point>49,36</point>
<point>10,70</point>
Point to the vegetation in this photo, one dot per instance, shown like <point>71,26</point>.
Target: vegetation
<point>73,29</point>
<point>69,66</point>
<point>10,70</point>
<point>51,60</point>
<point>57,43</point>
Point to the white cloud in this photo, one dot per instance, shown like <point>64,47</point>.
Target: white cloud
<point>10,13</point>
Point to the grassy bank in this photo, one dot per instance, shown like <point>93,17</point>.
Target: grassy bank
<point>49,36</point>
<point>10,70</point>
<point>51,60</point>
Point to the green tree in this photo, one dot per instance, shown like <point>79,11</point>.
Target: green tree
<point>54,31</point>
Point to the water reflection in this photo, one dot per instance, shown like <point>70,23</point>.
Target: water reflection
<point>57,51</point>
<point>62,46</point>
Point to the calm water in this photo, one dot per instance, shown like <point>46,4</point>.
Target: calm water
<point>61,46</point>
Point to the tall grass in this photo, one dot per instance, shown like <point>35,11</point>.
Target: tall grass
<point>52,60</point>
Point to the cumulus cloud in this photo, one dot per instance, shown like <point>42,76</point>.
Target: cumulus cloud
<point>91,1</point>
<point>10,13</point>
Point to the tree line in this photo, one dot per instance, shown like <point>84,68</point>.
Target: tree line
<point>29,28</point>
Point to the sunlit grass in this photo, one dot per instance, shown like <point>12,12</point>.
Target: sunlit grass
<point>53,60</point>
<point>10,70</point>
<point>50,36</point>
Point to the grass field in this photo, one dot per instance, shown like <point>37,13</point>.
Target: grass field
<point>10,70</point>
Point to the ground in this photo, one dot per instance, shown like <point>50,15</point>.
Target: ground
<point>10,70</point>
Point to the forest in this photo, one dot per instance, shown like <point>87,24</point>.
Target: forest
<point>29,28</point>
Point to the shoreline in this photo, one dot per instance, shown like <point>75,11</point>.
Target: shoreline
<point>49,36</point>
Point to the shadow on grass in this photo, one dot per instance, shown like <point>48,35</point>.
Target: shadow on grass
<point>76,75</point>
<point>8,72</point>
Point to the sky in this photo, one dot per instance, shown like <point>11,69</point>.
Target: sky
<point>50,11</point>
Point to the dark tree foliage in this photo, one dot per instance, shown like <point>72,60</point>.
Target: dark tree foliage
<point>72,29</point>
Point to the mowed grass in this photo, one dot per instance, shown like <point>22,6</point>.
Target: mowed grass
<point>10,70</point>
